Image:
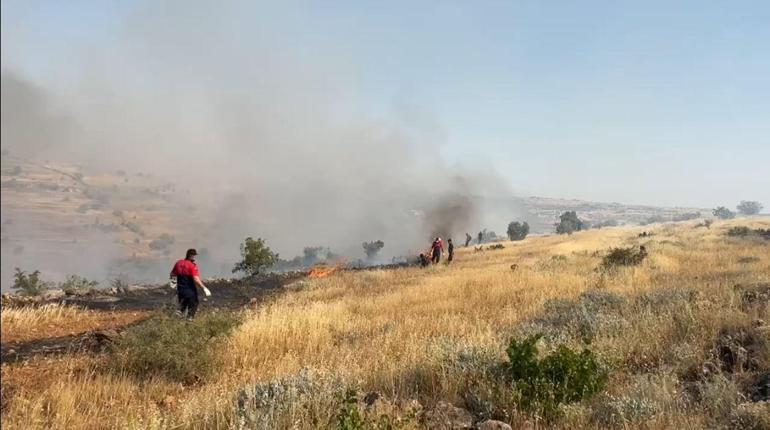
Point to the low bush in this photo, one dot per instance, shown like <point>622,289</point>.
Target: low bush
<point>77,285</point>
<point>624,257</point>
<point>175,349</point>
<point>307,396</point>
<point>562,377</point>
<point>496,247</point>
<point>743,231</point>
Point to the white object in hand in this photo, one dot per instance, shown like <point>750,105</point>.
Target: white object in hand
<point>206,291</point>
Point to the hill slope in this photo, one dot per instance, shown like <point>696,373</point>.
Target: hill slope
<point>683,336</point>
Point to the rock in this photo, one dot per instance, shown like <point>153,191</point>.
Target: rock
<point>493,425</point>
<point>447,416</point>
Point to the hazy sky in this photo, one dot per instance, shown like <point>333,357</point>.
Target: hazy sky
<point>652,102</point>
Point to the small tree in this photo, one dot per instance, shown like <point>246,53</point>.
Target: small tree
<point>569,223</point>
<point>256,257</point>
<point>28,284</point>
<point>723,213</point>
<point>372,248</point>
<point>518,230</point>
<point>747,207</point>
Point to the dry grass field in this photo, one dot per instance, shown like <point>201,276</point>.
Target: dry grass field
<point>683,336</point>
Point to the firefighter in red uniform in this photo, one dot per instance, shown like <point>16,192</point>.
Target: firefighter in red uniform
<point>437,248</point>
<point>187,279</point>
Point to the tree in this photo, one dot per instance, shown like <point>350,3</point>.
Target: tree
<point>28,284</point>
<point>723,213</point>
<point>372,248</point>
<point>518,230</point>
<point>256,257</point>
<point>747,207</point>
<point>569,223</point>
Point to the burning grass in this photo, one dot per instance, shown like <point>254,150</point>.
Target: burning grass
<point>437,334</point>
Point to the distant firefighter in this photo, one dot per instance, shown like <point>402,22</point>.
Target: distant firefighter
<point>481,237</point>
<point>450,251</point>
<point>468,239</point>
<point>437,248</point>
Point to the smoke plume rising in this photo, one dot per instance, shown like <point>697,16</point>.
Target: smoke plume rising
<point>264,127</point>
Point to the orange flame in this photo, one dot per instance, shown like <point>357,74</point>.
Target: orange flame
<point>324,271</point>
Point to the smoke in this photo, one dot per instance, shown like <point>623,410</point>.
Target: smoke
<point>30,125</point>
<point>263,121</point>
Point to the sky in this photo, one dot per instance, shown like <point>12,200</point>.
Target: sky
<point>655,102</point>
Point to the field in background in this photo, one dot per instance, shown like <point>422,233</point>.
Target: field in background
<point>419,336</point>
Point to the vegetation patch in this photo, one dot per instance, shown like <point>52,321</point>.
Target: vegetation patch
<point>78,286</point>
<point>29,284</point>
<point>624,257</point>
<point>743,231</point>
<point>563,376</point>
<point>176,349</point>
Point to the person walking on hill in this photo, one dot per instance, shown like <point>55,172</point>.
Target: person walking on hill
<point>437,248</point>
<point>468,239</point>
<point>481,237</point>
<point>187,277</point>
<point>450,251</point>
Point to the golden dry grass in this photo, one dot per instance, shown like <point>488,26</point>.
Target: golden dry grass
<point>399,332</point>
<point>20,324</point>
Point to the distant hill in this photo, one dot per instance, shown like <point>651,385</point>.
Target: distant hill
<point>65,219</point>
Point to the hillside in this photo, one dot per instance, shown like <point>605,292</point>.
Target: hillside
<point>120,223</point>
<point>682,337</point>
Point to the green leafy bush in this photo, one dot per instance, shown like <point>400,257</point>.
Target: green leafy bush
<point>349,417</point>
<point>28,284</point>
<point>569,223</point>
<point>749,207</point>
<point>723,213</point>
<point>77,285</point>
<point>176,349</point>
<point>564,376</point>
<point>518,230</point>
<point>257,256</point>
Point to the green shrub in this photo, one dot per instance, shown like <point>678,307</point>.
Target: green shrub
<point>518,230</point>
<point>257,256</point>
<point>564,376</point>
<point>349,417</point>
<point>77,286</point>
<point>28,284</point>
<point>569,223</point>
<point>723,213</point>
<point>749,207</point>
<point>176,349</point>
<point>624,257</point>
